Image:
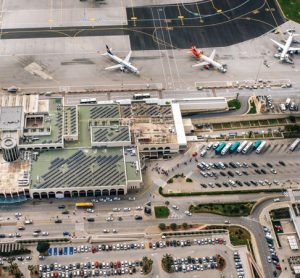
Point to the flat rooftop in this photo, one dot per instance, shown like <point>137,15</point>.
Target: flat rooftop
<point>78,168</point>
<point>110,133</point>
<point>11,118</point>
<point>70,120</point>
<point>10,173</point>
<point>96,115</point>
<point>54,123</point>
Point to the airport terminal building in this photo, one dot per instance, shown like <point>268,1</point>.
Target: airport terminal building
<point>53,150</point>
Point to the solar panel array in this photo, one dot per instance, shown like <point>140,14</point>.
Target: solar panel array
<point>107,135</point>
<point>82,169</point>
<point>104,111</point>
<point>70,120</point>
<point>125,111</point>
<point>145,109</point>
<point>59,125</point>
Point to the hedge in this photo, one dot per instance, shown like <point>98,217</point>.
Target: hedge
<point>48,240</point>
<point>184,194</point>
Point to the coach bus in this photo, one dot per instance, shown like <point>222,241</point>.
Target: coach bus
<point>88,100</point>
<point>141,96</point>
<point>84,205</point>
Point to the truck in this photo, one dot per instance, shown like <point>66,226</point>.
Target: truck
<point>246,149</point>
<point>260,147</point>
<point>234,147</point>
<point>294,145</point>
<point>220,147</point>
<point>226,148</point>
<point>242,146</point>
<point>256,144</point>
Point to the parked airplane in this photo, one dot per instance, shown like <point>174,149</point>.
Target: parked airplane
<point>207,61</point>
<point>123,65</point>
<point>286,49</point>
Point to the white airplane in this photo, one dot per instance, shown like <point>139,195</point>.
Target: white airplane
<point>207,61</point>
<point>286,50</point>
<point>123,65</point>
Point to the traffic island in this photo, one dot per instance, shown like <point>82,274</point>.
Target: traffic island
<point>226,209</point>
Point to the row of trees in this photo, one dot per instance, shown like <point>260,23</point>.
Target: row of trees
<point>173,226</point>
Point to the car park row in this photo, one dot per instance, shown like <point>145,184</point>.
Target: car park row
<point>89,269</point>
<point>188,264</point>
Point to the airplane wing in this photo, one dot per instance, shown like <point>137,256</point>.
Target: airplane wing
<point>294,49</point>
<point>127,58</point>
<point>114,67</point>
<point>200,65</point>
<point>212,55</point>
<point>278,44</point>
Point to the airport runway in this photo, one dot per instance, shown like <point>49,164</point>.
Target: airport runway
<point>206,24</point>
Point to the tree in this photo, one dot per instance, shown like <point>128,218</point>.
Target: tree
<point>173,226</point>
<point>167,262</point>
<point>185,225</point>
<point>147,265</point>
<point>167,203</point>
<point>43,247</point>
<point>162,226</point>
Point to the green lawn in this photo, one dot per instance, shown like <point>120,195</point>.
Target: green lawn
<point>227,209</point>
<point>239,236</point>
<point>273,122</point>
<point>291,9</point>
<point>252,108</point>
<point>161,212</point>
<point>234,104</point>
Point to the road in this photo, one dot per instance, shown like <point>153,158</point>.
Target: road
<point>41,214</point>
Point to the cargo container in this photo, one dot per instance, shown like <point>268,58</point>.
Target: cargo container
<point>220,147</point>
<point>256,144</point>
<point>234,147</point>
<point>246,149</point>
<point>294,145</point>
<point>261,146</point>
<point>226,148</point>
<point>242,146</point>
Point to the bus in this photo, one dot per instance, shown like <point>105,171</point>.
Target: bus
<point>242,146</point>
<point>234,147</point>
<point>256,144</point>
<point>220,147</point>
<point>294,145</point>
<point>141,96</point>
<point>246,149</point>
<point>88,100</point>
<point>226,148</point>
<point>261,146</point>
<point>84,205</point>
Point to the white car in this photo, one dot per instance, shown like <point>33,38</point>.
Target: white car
<point>188,213</point>
<point>45,233</point>
<point>90,210</point>
<point>18,214</point>
<point>116,209</point>
<point>269,259</point>
<point>175,207</point>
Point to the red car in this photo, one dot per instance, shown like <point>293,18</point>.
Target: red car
<point>96,264</point>
<point>150,244</point>
<point>194,154</point>
<point>278,267</point>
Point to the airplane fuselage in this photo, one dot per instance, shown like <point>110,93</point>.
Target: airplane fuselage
<point>124,64</point>
<point>284,52</point>
<point>211,62</point>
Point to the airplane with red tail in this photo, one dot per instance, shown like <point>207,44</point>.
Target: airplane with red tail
<point>207,62</point>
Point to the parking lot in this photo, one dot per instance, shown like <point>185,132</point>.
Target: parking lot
<point>275,167</point>
<point>195,254</point>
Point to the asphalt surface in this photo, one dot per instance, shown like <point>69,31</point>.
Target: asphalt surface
<point>206,24</point>
<point>41,213</point>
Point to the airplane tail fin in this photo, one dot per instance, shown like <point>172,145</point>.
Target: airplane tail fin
<point>108,51</point>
